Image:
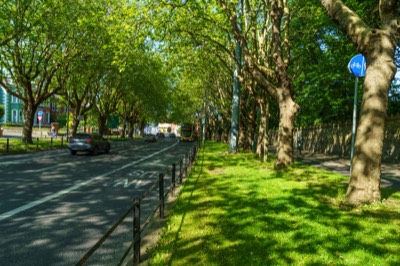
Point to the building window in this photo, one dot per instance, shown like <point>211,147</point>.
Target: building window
<point>14,99</point>
<point>14,116</point>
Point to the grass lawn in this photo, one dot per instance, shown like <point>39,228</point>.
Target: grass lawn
<point>234,210</point>
<point>17,145</point>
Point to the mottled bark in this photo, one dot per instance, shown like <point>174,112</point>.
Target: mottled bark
<point>262,143</point>
<point>378,46</point>
<point>269,68</point>
<point>29,118</point>
<point>287,112</point>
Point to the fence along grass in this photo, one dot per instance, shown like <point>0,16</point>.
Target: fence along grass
<point>336,139</point>
<point>17,145</point>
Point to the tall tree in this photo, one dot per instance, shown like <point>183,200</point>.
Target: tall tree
<point>376,39</point>
<point>31,58</point>
<point>267,58</point>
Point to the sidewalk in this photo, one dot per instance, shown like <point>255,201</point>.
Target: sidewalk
<point>390,176</point>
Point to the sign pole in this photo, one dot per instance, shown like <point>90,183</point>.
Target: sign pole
<point>358,67</point>
<point>353,132</point>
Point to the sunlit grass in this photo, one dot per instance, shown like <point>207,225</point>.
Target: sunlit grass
<point>234,210</point>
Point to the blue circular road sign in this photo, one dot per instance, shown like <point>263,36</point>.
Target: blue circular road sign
<point>358,65</point>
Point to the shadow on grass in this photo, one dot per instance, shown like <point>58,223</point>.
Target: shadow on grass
<point>236,211</point>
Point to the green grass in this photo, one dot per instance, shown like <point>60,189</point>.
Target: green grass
<point>17,145</point>
<point>234,210</point>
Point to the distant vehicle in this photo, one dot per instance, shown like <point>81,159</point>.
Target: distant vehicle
<point>172,135</point>
<point>160,135</point>
<point>187,132</point>
<point>85,142</point>
<point>150,138</point>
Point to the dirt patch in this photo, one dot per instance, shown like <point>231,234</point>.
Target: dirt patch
<point>217,171</point>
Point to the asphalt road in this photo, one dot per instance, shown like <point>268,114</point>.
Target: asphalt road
<point>54,207</point>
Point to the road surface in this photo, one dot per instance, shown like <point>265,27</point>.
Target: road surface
<point>54,206</point>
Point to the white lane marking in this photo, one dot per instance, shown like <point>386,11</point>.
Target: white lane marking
<point>124,182</point>
<point>136,183</point>
<point>67,190</point>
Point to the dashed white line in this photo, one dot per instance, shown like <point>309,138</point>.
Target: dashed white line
<point>74,187</point>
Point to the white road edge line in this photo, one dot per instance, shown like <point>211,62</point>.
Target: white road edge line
<point>67,190</point>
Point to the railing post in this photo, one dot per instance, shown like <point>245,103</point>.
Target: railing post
<point>62,141</point>
<point>173,179</point>
<point>136,230</point>
<point>37,144</point>
<point>180,171</point>
<point>186,164</point>
<point>8,145</point>
<point>51,142</point>
<point>161,195</point>
<point>194,153</point>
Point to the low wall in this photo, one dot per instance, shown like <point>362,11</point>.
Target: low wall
<point>17,132</point>
<point>336,139</point>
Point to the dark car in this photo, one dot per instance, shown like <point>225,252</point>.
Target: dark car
<point>160,135</point>
<point>93,143</point>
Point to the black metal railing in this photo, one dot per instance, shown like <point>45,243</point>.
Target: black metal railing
<point>135,209</point>
<point>18,145</point>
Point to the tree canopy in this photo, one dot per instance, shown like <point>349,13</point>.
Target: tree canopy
<point>173,61</point>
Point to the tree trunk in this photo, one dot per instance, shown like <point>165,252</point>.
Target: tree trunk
<point>131,127</point>
<point>29,117</point>
<point>287,110</point>
<point>378,46</point>
<point>364,186</point>
<point>74,125</point>
<point>102,121</point>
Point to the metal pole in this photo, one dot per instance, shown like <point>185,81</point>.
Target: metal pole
<point>136,230</point>
<point>353,132</point>
<point>180,171</point>
<point>173,179</point>
<point>161,195</point>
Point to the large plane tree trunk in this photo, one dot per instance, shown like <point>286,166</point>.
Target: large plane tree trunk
<point>364,184</point>
<point>287,112</point>
<point>378,47</point>
<point>29,117</point>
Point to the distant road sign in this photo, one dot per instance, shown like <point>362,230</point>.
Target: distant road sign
<point>358,65</point>
<point>40,113</point>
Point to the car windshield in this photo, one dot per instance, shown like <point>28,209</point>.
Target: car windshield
<point>82,136</point>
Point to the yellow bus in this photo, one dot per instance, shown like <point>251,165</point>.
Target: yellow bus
<point>187,132</point>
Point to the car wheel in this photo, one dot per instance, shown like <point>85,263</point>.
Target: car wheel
<point>95,151</point>
<point>73,152</point>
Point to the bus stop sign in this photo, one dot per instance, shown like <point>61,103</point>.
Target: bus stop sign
<point>358,65</point>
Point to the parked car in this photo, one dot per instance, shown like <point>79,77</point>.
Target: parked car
<point>149,138</point>
<point>93,143</point>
